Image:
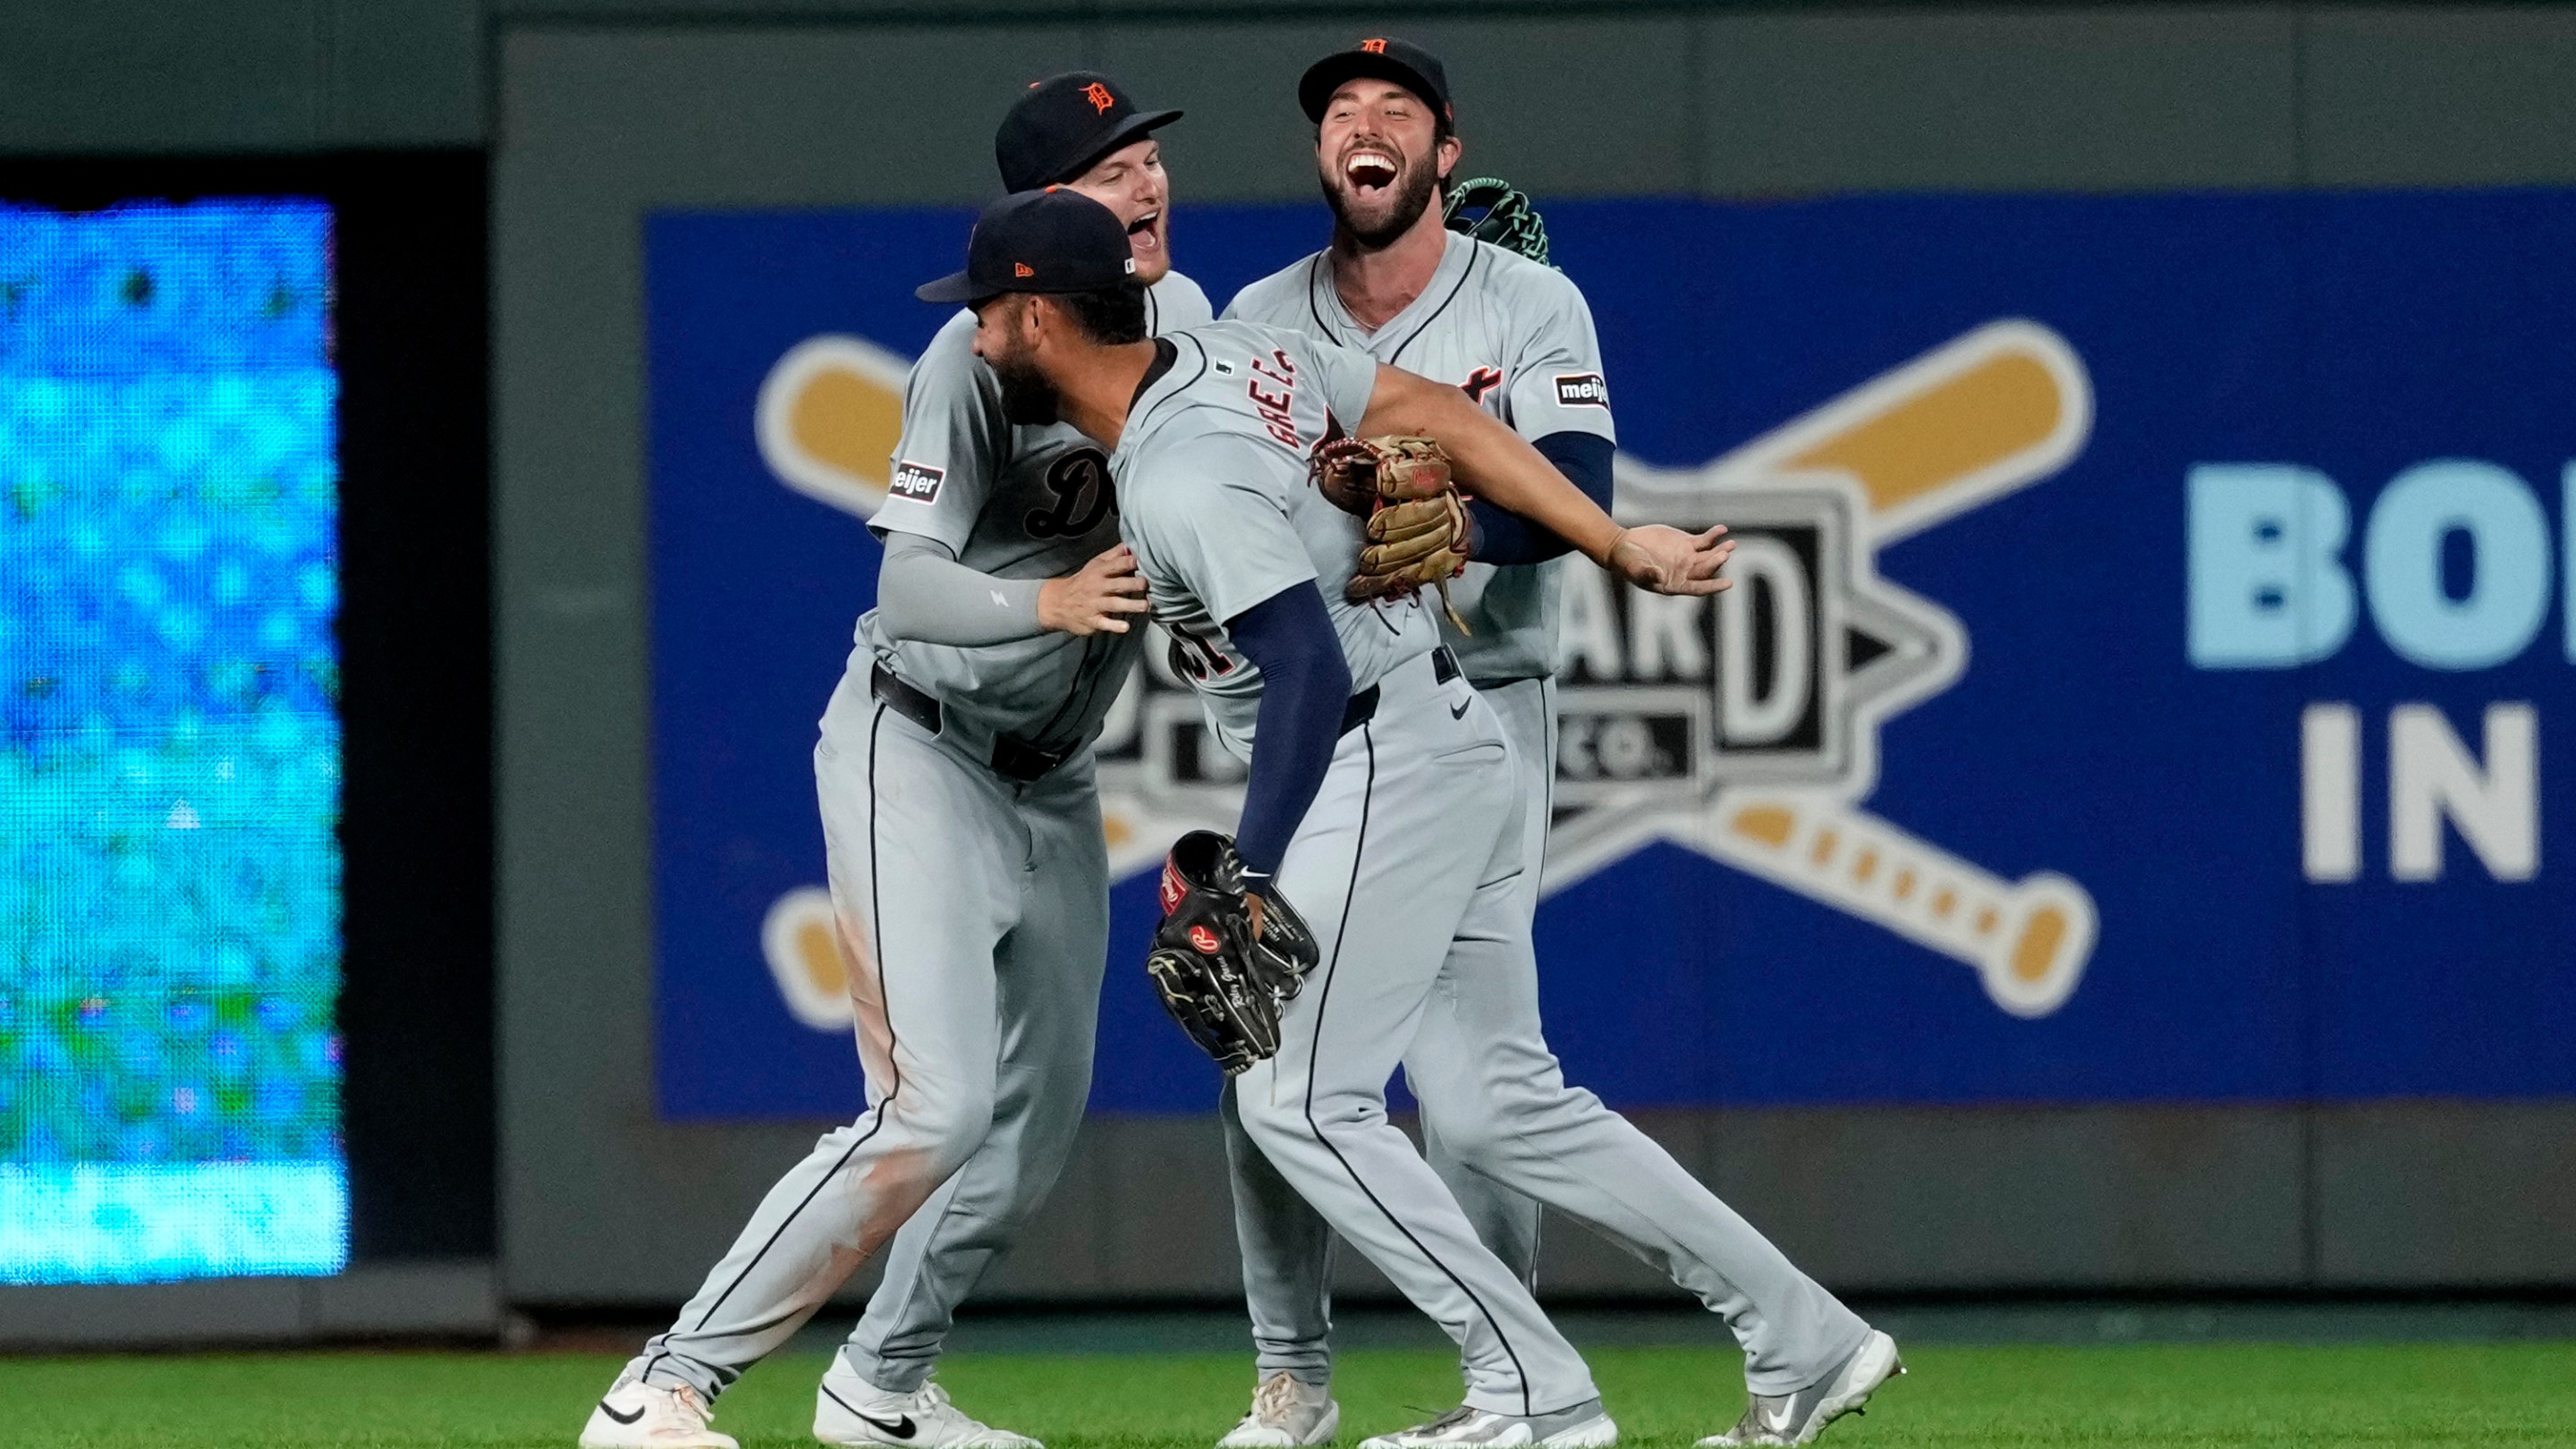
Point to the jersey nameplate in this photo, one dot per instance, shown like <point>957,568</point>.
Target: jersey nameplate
<point>1274,406</point>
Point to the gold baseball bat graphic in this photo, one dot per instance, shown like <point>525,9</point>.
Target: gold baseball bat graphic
<point>2028,939</point>
<point>1985,414</point>
<point>1991,412</point>
<point>800,938</point>
<point>829,415</point>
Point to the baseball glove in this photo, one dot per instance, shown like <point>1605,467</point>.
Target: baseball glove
<point>1491,210</point>
<point>1416,519</point>
<point>1223,983</point>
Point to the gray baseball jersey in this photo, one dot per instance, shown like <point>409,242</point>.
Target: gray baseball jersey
<point>1214,499</point>
<point>1410,853</point>
<point>994,897</point>
<point>1016,503</point>
<point>1518,337</point>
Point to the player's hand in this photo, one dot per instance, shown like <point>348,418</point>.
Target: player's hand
<point>1668,561</point>
<point>1096,598</point>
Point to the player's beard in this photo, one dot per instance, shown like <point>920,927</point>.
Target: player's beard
<point>1376,223</point>
<point>1028,399</point>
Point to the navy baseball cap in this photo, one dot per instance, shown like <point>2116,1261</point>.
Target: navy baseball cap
<point>1062,124</point>
<point>1380,58</point>
<point>1053,240</point>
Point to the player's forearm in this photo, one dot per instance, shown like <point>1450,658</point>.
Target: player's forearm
<point>1503,537</point>
<point>1305,687</point>
<point>925,595</point>
<point>1494,462</point>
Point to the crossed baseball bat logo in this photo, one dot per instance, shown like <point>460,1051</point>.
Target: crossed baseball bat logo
<point>1991,412</point>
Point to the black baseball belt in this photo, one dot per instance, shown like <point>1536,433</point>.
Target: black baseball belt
<point>1013,759</point>
<point>1363,705</point>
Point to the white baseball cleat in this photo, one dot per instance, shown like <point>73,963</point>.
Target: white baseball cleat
<point>1584,1426</point>
<point>638,1415</point>
<point>1286,1414</point>
<point>1798,1418</point>
<point>850,1410</point>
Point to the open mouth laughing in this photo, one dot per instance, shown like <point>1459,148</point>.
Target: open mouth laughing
<point>1371,171</point>
<point>1145,233</point>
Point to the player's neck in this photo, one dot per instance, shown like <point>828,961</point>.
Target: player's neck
<point>1375,283</point>
<point>1098,387</point>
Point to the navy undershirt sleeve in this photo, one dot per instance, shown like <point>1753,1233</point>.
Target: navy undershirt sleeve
<point>1305,687</point>
<point>1503,537</point>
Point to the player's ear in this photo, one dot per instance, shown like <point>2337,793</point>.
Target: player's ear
<point>1027,317</point>
<point>1451,149</point>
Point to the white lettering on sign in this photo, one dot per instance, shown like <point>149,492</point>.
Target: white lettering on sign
<point>2494,806</point>
<point>2492,802</point>
<point>2330,793</point>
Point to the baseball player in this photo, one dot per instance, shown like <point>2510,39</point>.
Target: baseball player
<point>1517,337</point>
<point>966,861</point>
<point>1367,804</point>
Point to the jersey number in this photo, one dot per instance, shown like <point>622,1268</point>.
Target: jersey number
<point>1194,657</point>
<point>1080,483</point>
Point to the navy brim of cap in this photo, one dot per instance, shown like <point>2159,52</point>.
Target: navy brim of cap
<point>1124,134</point>
<point>1315,89</point>
<point>955,287</point>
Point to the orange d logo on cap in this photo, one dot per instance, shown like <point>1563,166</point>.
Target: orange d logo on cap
<point>1099,96</point>
<point>1374,47</point>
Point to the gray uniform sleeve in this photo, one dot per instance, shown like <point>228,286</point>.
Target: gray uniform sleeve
<point>1212,520</point>
<point>1556,384</point>
<point>954,442</point>
<point>1345,377</point>
<point>924,594</point>
<point>1178,303</point>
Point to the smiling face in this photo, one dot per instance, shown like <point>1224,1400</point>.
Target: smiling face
<point>1381,157</point>
<point>1130,182</point>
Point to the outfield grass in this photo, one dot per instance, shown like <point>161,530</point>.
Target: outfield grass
<point>2162,1396</point>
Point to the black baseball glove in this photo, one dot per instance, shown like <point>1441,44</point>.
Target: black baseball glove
<point>1490,209</point>
<point>1223,983</point>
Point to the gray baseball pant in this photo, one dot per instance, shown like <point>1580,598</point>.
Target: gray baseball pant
<point>974,918</point>
<point>1286,1251</point>
<point>1495,1102</point>
<point>1369,872</point>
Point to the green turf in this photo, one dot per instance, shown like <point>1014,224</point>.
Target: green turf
<point>2164,1396</point>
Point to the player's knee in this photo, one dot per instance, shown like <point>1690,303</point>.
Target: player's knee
<point>1271,1119</point>
<point>949,1114</point>
<point>1269,1122</point>
<point>1470,1139</point>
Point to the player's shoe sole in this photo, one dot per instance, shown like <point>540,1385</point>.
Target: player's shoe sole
<point>1586,1427</point>
<point>850,1411</point>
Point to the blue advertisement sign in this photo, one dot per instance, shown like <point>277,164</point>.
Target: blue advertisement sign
<point>2148,677</point>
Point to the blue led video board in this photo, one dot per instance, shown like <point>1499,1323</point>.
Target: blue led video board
<point>170,941</point>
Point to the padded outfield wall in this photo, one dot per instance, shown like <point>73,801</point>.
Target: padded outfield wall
<point>2162,407</point>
